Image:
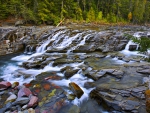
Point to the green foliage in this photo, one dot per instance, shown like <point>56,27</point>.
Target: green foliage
<point>3,11</point>
<point>111,18</point>
<point>144,42</point>
<point>43,11</point>
<point>100,15</point>
<point>79,14</point>
<point>129,16</point>
<point>90,15</point>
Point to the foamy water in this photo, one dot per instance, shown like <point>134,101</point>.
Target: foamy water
<point>10,69</point>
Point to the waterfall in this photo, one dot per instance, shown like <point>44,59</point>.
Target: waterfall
<point>43,46</point>
<point>130,43</point>
<point>50,39</point>
<point>126,50</point>
<point>82,41</point>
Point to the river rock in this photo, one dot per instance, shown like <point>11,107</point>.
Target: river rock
<point>132,47</point>
<point>33,101</point>
<point>24,92</point>
<point>120,47</point>
<point>117,102</point>
<point>46,86</point>
<point>118,73</point>
<point>129,105</point>
<point>74,109</point>
<point>76,89</point>
<point>31,110</point>
<point>11,98</point>
<point>69,71</point>
<point>4,85</point>
<point>21,101</point>
<point>71,96</point>
<point>15,84</point>
<point>65,61</point>
<point>144,71</point>
<point>147,95</point>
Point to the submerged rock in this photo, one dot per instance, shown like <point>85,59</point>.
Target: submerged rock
<point>69,71</point>
<point>24,92</point>
<point>11,98</point>
<point>33,101</point>
<point>21,101</point>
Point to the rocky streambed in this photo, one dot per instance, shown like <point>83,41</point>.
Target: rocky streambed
<point>75,69</point>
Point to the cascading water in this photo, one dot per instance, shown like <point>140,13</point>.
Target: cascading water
<point>127,52</point>
<point>60,39</point>
<point>50,39</point>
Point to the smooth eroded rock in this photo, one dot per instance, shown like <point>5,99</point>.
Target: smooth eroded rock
<point>33,101</point>
<point>4,85</point>
<point>24,92</point>
<point>76,89</point>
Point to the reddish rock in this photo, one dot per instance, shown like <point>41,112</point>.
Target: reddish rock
<point>147,95</point>
<point>4,85</point>
<point>46,86</point>
<point>51,111</point>
<point>27,85</point>
<point>58,105</point>
<point>55,86</point>
<point>37,110</point>
<point>45,112</point>
<point>36,91</point>
<point>76,89</point>
<point>24,92</point>
<point>33,101</point>
<point>53,78</point>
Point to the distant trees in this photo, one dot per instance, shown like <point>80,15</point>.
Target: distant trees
<point>53,11</point>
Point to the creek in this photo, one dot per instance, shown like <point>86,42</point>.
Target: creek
<point>70,44</point>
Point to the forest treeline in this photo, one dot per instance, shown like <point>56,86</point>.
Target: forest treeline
<point>53,11</point>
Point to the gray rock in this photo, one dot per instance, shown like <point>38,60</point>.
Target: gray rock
<point>74,109</point>
<point>144,71</point>
<point>139,89</point>
<point>120,47</point>
<point>118,73</point>
<point>108,71</point>
<point>132,47</point>
<point>129,105</point>
<point>11,98</point>
<point>21,101</point>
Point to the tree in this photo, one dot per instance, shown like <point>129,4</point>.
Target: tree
<point>91,15</point>
<point>100,16</point>
<point>129,16</point>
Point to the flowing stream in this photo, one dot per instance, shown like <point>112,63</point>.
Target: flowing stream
<point>10,63</point>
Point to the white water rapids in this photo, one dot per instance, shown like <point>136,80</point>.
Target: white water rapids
<point>58,43</point>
